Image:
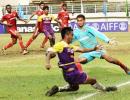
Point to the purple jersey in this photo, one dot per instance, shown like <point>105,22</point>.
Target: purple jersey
<point>46,24</point>
<point>66,56</point>
<point>46,20</point>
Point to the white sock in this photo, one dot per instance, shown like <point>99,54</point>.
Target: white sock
<point>99,86</point>
<point>64,87</point>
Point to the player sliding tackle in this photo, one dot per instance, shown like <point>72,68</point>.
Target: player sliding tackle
<point>71,73</point>
<point>11,27</point>
<point>86,36</point>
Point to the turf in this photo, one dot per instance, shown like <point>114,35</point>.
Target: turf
<point>23,77</point>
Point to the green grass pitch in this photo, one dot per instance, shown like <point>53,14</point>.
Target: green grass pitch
<point>23,77</point>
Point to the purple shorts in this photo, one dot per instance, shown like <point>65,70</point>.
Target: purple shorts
<point>75,77</point>
<point>48,32</point>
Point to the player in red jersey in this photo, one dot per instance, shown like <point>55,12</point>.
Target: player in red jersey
<point>37,27</point>
<point>63,16</point>
<point>11,28</point>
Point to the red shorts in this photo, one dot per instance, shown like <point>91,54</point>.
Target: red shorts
<point>13,32</point>
<point>38,28</point>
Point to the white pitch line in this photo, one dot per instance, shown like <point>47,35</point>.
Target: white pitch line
<point>93,94</point>
<point>123,84</point>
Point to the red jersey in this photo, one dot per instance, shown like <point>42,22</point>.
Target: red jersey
<point>10,19</point>
<point>64,17</point>
<point>39,13</point>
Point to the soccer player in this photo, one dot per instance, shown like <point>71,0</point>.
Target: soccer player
<point>86,36</point>
<point>68,64</point>
<point>63,16</point>
<point>46,25</point>
<point>38,26</point>
<point>11,27</point>
<point>62,19</point>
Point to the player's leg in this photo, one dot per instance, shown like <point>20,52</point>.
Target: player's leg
<point>44,42</point>
<point>10,44</point>
<point>73,81</point>
<point>53,37</point>
<point>33,37</point>
<point>19,37</point>
<point>14,40</point>
<point>51,40</point>
<point>50,37</point>
<point>86,57</point>
<point>67,88</point>
<point>81,79</point>
<point>93,82</point>
<point>116,62</point>
<point>89,56</point>
<point>78,65</point>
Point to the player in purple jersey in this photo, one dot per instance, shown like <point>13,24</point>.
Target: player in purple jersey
<point>71,74</point>
<point>46,20</point>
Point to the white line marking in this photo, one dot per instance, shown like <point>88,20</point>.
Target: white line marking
<point>93,94</point>
<point>123,84</point>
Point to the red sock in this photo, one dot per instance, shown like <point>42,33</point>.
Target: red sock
<point>8,45</point>
<point>21,44</point>
<point>79,67</point>
<point>29,42</point>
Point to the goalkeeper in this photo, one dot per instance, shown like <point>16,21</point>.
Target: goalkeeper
<point>87,36</point>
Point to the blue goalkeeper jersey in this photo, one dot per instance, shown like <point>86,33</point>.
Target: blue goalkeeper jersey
<point>87,36</point>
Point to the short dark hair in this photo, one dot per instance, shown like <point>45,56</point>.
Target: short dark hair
<point>45,7</point>
<point>65,31</point>
<point>80,16</point>
<point>8,6</point>
<point>41,3</point>
<point>64,5</point>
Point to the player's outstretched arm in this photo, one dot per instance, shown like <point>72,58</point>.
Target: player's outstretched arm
<point>31,17</point>
<point>98,34</point>
<point>19,18</point>
<point>49,56</point>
